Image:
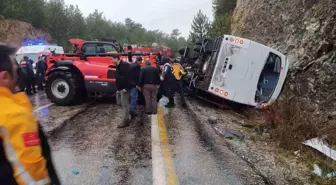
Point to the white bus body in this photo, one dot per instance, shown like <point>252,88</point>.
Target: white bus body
<point>248,72</point>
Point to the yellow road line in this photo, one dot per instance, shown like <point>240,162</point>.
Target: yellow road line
<point>168,161</point>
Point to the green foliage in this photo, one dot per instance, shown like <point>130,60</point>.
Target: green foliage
<point>222,16</point>
<point>223,6</point>
<point>67,21</point>
<point>221,24</point>
<point>200,27</point>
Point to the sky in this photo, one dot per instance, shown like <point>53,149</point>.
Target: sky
<point>164,15</point>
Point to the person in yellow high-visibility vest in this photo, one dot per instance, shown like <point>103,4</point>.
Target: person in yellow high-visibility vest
<point>179,73</point>
<point>22,159</point>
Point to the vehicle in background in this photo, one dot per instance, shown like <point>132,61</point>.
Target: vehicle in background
<point>88,71</point>
<point>155,48</point>
<point>34,51</point>
<point>235,69</point>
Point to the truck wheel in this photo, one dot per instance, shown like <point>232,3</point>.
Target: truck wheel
<point>206,64</point>
<point>61,88</point>
<point>199,42</point>
<point>197,48</point>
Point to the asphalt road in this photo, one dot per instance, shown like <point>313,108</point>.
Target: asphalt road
<point>173,147</point>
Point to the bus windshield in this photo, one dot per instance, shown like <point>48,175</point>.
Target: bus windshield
<point>268,79</point>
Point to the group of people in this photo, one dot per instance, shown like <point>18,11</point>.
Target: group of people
<point>30,76</point>
<point>25,156</point>
<point>151,81</point>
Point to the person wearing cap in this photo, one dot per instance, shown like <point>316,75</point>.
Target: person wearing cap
<point>24,155</point>
<point>135,73</point>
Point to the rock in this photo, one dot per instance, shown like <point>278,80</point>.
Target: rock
<point>212,120</point>
<point>259,129</point>
<point>233,134</point>
<point>14,32</point>
<point>306,32</point>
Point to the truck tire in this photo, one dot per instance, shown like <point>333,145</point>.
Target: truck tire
<point>62,88</point>
<point>199,42</point>
<point>206,64</point>
<point>197,48</point>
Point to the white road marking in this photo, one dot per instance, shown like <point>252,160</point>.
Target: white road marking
<point>159,175</point>
<point>43,107</point>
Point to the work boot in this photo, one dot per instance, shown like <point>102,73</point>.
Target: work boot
<point>133,114</point>
<point>124,124</point>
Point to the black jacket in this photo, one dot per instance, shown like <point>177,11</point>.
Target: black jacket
<point>149,75</point>
<point>135,74</point>
<point>47,155</point>
<point>129,55</point>
<point>41,67</point>
<point>123,77</point>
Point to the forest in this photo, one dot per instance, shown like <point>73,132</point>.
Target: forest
<point>71,23</point>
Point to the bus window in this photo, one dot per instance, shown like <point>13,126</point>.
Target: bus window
<point>268,79</point>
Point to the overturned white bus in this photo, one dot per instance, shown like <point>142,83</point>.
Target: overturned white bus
<point>235,69</point>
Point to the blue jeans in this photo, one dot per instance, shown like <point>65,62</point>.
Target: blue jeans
<point>134,98</point>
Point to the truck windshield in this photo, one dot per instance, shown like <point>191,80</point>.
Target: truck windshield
<point>268,79</point>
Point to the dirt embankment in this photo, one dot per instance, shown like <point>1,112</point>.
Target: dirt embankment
<point>304,30</point>
<point>15,32</point>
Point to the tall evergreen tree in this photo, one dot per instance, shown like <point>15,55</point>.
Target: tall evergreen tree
<point>200,27</point>
<point>222,16</point>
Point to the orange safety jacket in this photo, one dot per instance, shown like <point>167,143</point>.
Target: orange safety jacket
<point>22,162</point>
<point>178,71</point>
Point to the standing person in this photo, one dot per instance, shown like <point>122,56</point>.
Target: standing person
<point>168,82</point>
<point>33,81</point>
<point>178,73</point>
<point>123,82</point>
<point>40,72</point>
<point>29,74</point>
<point>158,59</point>
<point>135,73</point>
<point>149,82</point>
<point>129,54</point>
<point>21,154</point>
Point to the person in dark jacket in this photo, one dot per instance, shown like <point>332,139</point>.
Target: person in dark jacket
<point>123,82</point>
<point>129,54</point>
<point>34,79</point>
<point>29,74</point>
<point>149,83</point>
<point>168,82</point>
<point>22,78</point>
<point>41,67</point>
<point>135,73</point>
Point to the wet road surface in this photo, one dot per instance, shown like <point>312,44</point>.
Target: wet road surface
<point>185,151</point>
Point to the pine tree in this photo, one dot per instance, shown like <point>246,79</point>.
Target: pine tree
<point>200,27</point>
<point>175,33</point>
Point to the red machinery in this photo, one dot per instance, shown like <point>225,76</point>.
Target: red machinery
<point>88,71</point>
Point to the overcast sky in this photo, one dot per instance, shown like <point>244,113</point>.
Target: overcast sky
<point>164,15</point>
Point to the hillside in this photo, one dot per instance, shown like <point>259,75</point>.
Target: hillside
<point>15,32</point>
<point>306,32</point>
